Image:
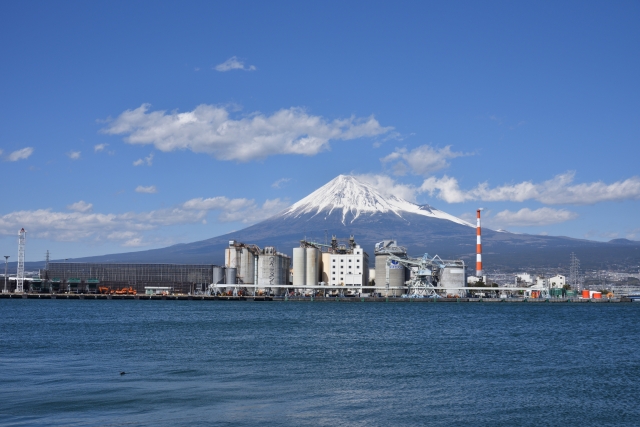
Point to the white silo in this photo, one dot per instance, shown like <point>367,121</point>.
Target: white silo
<point>313,266</point>
<point>231,255</point>
<point>453,276</point>
<point>299,267</point>
<point>247,266</point>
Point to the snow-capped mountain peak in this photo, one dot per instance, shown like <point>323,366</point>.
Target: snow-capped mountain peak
<point>351,196</point>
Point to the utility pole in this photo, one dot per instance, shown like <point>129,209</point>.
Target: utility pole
<point>6,260</point>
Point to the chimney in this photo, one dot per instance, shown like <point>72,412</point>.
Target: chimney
<point>478,246</point>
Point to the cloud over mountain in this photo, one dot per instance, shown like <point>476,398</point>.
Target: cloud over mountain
<point>558,190</point>
<point>210,129</point>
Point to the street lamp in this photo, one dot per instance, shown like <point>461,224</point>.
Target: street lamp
<point>6,260</point>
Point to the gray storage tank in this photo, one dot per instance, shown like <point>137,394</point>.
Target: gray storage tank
<point>230,276</point>
<point>454,277</point>
<point>218,274</point>
<point>397,275</point>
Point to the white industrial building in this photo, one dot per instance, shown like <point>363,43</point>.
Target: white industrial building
<point>557,281</point>
<point>542,281</point>
<point>348,269</point>
<point>247,264</point>
<point>340,265</point>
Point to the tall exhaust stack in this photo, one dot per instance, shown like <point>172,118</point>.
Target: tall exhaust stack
<point>478,246</point>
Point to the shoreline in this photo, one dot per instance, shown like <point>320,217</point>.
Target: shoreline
<point>312,299</point>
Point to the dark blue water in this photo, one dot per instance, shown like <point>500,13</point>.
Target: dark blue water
<point>296,364</point>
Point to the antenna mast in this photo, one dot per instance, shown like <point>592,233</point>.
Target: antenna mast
<point>22,237</point>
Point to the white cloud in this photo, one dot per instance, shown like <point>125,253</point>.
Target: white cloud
<point>134,243</point>
<point>387,186</point>
<point>99,147</point>
<point>422,160</point>
<point>529,218</point>
<point>74,155</point>
<point>21,154</point>
<point>130,228</point>
<point>445,188</point>
<point>148,160</point>
<point>209,129</point>
<point>232,210</point>
<point>217,203</point>
<point>279,183</point>
<point>558,190</point>
<point>149,190</point>
<point>233,63</point>
<point>80,206</point>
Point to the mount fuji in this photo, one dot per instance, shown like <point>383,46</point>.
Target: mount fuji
<point>347,206</point>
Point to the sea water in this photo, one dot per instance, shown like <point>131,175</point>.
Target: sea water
<point>321,363</point>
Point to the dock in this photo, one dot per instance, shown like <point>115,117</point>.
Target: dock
<point>72,296</point>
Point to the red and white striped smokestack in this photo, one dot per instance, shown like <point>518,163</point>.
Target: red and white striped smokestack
<point>478,246</point>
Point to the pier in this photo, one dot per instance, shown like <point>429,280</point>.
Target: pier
<point>354,299</point>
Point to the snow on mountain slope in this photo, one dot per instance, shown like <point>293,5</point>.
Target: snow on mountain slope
<point>348,194</point>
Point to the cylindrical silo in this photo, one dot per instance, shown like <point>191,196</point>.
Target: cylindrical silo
<point>313,266</point>
<point>381,271</point>
<point>218,275</point>
<point>299,267</point>
<point>397,273</point>
<point>452,277</point>
<point>231,257</point>
<point>230,276</point>
<point>267,268</point>
<point>247,266</point>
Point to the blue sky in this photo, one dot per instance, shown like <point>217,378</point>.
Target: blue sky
<point>136,125</point>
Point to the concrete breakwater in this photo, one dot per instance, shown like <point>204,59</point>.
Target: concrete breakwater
<point>311,299</point>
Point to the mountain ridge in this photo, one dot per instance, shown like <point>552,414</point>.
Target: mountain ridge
<point>346,206</point>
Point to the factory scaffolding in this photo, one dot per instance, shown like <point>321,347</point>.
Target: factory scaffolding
<point>427,272</point>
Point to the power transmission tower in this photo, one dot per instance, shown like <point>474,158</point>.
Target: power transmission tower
<point>574,273</point>
<point>22,237</point>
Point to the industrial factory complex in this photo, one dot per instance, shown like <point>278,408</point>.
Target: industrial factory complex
<point>333,269</point>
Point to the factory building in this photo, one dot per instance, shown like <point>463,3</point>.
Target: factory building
<point>350,268</point>
<point>243,258</point>
<point>273,268</point>
<point>557,281</point>
<point>80,277</point>
<point>257,269</point>
<point>338,265</point>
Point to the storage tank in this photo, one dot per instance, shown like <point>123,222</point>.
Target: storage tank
<point>397,274</point>
<point>268,269</point>
<point>218,274</point>
<point>381,271</point>
<point>230,276</point>
<point>231,257</point>
<point>313,266</point>
<point>247,266</point>
<point>299,267</point>
<point>452,276</point>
